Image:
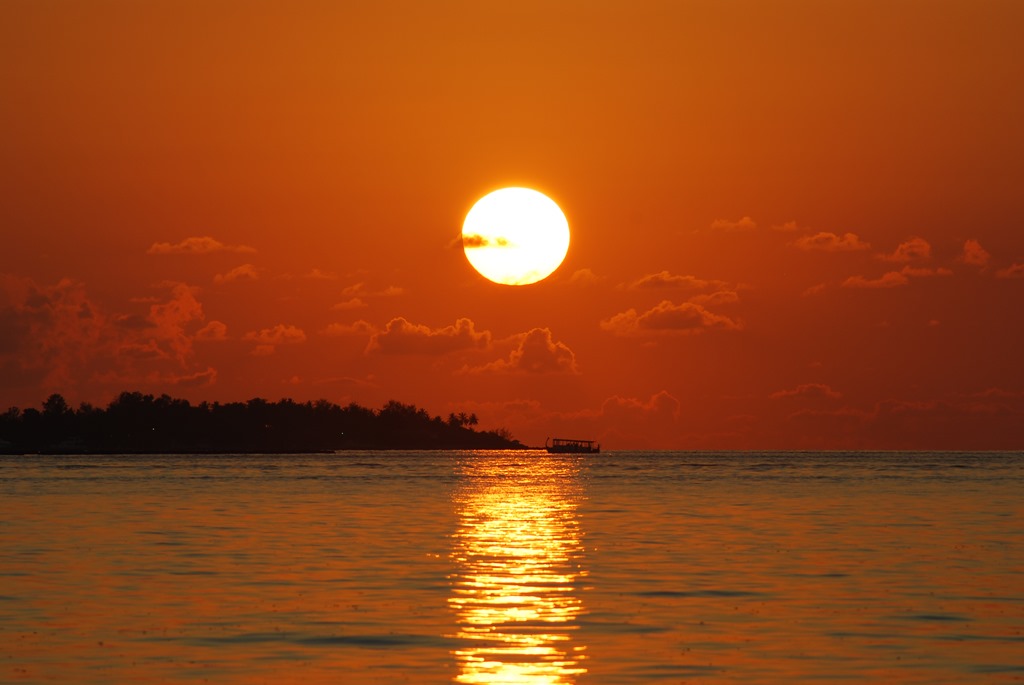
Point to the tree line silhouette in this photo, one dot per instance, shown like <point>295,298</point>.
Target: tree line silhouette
<point>134,423</point>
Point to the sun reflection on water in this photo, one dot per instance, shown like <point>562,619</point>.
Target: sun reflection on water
<point>518,553</point>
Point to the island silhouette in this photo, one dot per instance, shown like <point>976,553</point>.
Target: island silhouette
<point>135,423</point>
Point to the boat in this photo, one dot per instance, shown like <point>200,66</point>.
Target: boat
<point>566,446</point>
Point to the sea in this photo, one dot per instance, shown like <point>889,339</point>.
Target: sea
<point>513,567</point>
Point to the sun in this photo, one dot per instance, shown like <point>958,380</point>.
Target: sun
<point>515,236</point>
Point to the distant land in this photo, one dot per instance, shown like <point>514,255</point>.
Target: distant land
<point>134,423</point>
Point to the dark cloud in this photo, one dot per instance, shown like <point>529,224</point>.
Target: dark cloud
<point>53,330</point>
<point>13,331</point>
<point>993,419</point>
<point>58,339</point>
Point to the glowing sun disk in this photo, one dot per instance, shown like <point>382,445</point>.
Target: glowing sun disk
<point>515,236</point>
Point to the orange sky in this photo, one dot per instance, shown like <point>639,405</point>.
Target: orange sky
<point>794,224</point>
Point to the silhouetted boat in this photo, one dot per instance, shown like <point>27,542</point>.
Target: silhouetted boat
<point>565,446</point>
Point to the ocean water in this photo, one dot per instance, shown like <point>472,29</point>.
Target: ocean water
<point>513,567</point>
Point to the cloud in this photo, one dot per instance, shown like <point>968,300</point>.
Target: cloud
<point>664,279</point>
<point>318,275</point>
<point>314,274</point>
<point>617,421</point>
<point>810,390</point>
<point>925,272</point>
<point>891,279</point>
<point>974,254</point>
<point>354,303</point>
<point>166,333</point>
<point>991,419</point>
<point>584,277</point>
<point>660,404</point>
<point>999,393</point>
<point>536,352</point>
<point>474,241</point>
<point>666,317</point>
<point>1013,271</point>
<point>843,427</point>
<point>815,289</point>
<point>912,250</point>
<point>169,320</point>
<point>358,293</point>
<point>269,339</point>
<point>718,297</point>
<point>278,335</point>
<point>245,271</point>
<point>623,420</point>
<point>196,245</point>
<point>205,377</point>
<point>215,331</point>
<point>402,337</point>
<point>744,224</point>
<point>830,242</point>
<point>894,279</point>
<point>56,337</point>
<point>949,423</point>
<point>346,381</point>
<point>789,227</point>
<point>359,327</point>
<point>360,290</point>
<point>196,379</point>
<point>48,333</point>
<point>144,346</point>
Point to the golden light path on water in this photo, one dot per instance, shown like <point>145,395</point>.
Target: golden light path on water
<point>518,553</point>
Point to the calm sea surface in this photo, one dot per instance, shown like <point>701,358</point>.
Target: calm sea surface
<point>513,567</point>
